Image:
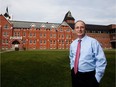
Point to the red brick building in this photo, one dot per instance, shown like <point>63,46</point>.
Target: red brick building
<point>44,35</point>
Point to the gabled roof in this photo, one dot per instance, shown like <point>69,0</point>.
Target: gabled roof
<point>64,23</point>
<point>26,24</point>
<point>71,25</point>
<point>5,18</point>
<point>68,16</point>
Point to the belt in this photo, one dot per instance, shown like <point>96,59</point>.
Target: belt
<point>87,73</point>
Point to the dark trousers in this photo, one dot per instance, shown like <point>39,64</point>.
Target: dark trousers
<point>86,79</point>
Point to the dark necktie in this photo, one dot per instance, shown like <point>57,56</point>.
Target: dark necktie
<point>77,56</point>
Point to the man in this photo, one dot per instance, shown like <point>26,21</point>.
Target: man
<point>87,59</point>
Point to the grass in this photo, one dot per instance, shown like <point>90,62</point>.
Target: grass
<point>45,68</point>
<point>109,76</point>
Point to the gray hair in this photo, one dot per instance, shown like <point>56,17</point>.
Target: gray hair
<point>80,21</point>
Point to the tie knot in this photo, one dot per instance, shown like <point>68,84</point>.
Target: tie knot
<point>79,40</point>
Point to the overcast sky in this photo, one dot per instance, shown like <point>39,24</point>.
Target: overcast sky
<point>101,12</point>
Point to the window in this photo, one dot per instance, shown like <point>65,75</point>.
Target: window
<point>50,46</point>
<point>15,34</point>
<point>99,31</point>
<point>34,41</point>
<point>61,30</point>
<point>44,41</point>
<point>30,41</point>
<point>66,41</point>
<point>6,26</point>
<point>40,34</point>
<point>50,35</point>
<point>30,34</point>
<point>4,33</point>
<point>24,34</point>
<point>40,47</point>
<point>34,34</point>
<point>24,41</point>
<point>40,41</point>
<point>68,30</point>
<point>67,36</point>
<point>43,26</point>
<point>62,41</point>
<point>54,42</point>
<point>67,46</point>
<point>50,41</point>
<point>62,36</point>
<point>18,34</point>
<point>52,26</point>
<point>5,41</point>
<point>59,36</point>
<point>54,35</point>
<point>44,35</point>
<point>33,25</point>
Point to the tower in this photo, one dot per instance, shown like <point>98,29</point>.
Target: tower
<point>69,19</point>
<point>7,14</point>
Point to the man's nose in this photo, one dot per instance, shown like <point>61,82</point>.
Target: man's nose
<point>79,28</point>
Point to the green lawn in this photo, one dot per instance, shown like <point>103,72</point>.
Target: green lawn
<point>45,68</point>
<point>109,77</point>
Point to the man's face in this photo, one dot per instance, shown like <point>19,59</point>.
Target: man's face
<point>80,29</point>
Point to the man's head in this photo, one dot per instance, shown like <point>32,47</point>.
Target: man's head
<point>80,28</point>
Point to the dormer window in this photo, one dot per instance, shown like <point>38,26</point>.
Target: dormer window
<point>43,26</point>
<point>33,25</point>
<point>53,26</point>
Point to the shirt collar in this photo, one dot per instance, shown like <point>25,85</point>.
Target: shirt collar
<point>82,38</point>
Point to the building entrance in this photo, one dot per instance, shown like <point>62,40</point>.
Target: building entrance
<point>15,44</point>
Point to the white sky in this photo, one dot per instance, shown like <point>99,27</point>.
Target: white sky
<point>102,12</point>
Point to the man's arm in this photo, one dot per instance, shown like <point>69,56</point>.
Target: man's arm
<point>71,57</point>
<point>100,61</point>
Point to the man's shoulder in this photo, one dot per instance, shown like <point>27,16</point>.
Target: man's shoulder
<point>91,38</point>
<point>74,41</point>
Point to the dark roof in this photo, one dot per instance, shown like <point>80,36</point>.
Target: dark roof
<point>64,23</point>
<point>92,27</point>
<point>96,27</point>
<point>68,16</point>
<point>71,25</point>
<point>7,14</point>
<point>26,24</point>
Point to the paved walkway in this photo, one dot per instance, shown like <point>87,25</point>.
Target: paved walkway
<point>5,51</point>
